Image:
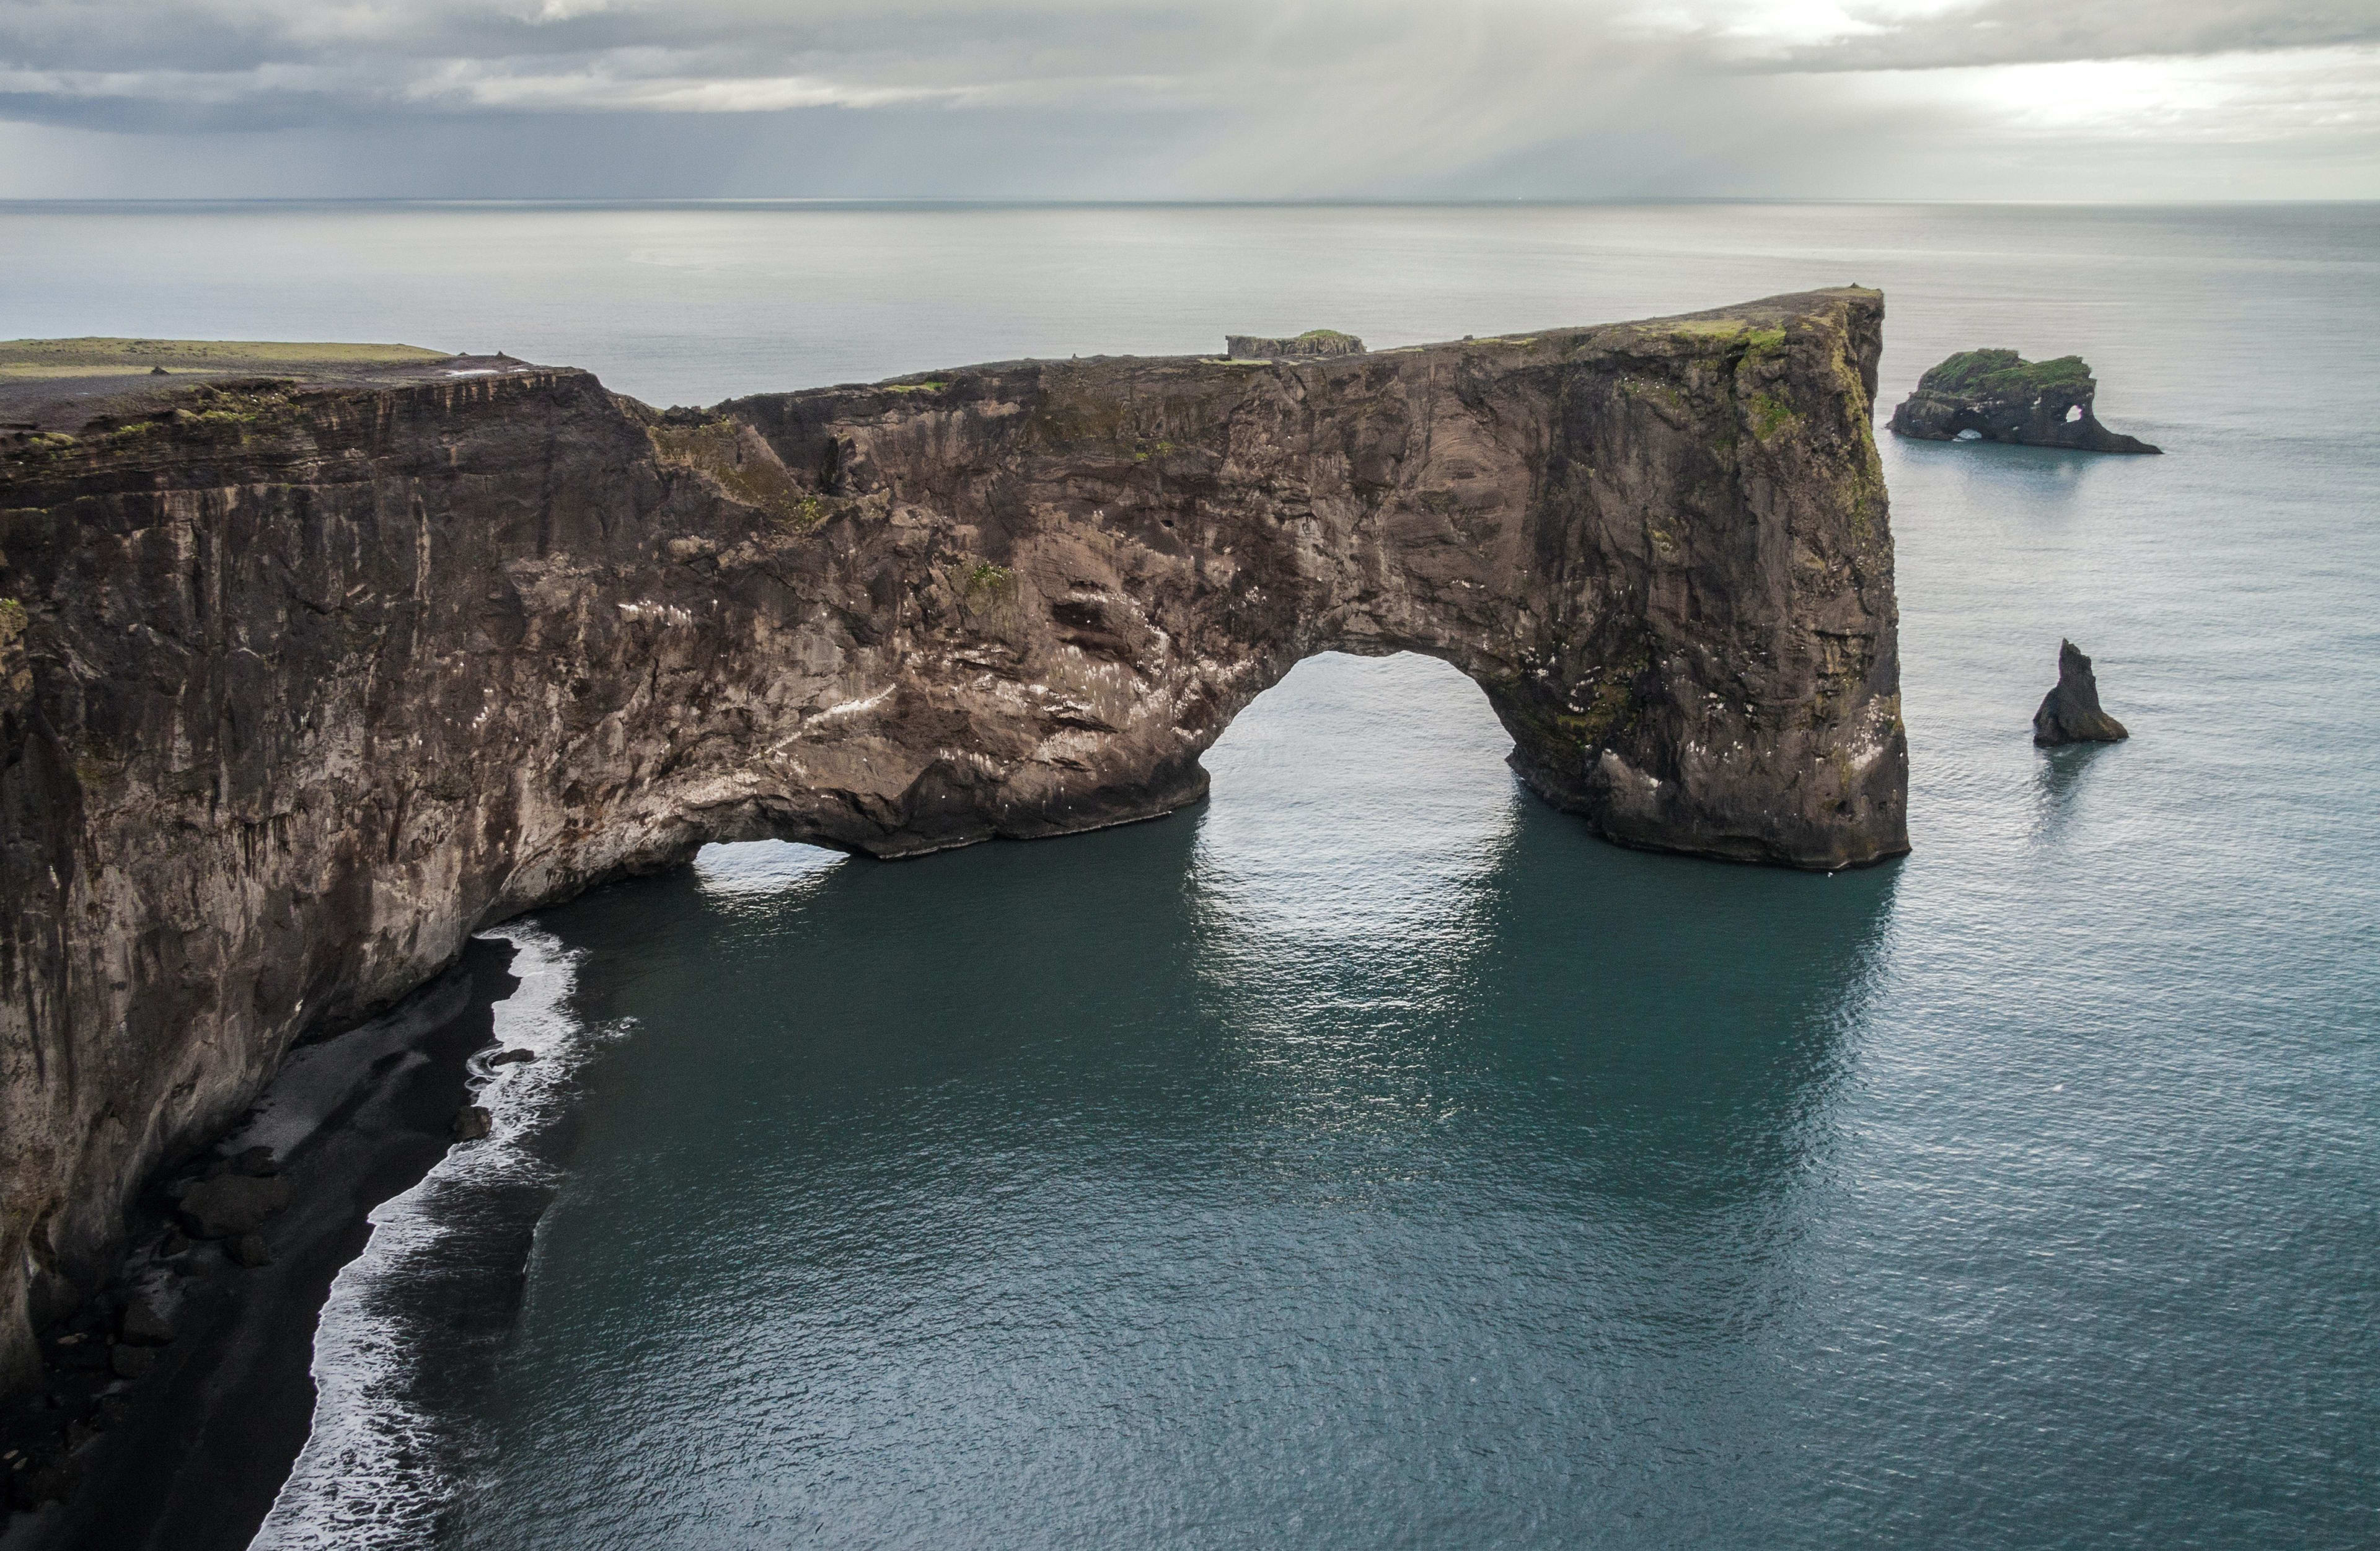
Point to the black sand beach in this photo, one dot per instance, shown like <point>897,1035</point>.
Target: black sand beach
<point>190,1455</point>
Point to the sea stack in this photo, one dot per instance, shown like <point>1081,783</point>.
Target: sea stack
<point>1998,396</point>
<point>2071,713</point>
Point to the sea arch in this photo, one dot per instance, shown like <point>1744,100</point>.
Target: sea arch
<point>300,684</point>
<point>1661,549</point>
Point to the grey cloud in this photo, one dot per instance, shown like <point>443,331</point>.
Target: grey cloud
<point>734,37</point>
<point>1070,98</point>
<point>2047,32</point>
<point>140,64</point>
<point>213,66</point>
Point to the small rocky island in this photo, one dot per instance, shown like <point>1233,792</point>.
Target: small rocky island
<point>1996,396</point>
<point>2071,713</point>
<point>1313,345</point>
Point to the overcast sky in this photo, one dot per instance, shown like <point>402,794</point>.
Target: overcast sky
<point>1192,99</point>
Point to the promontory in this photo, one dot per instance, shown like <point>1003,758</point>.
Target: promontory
<point>307,676</point>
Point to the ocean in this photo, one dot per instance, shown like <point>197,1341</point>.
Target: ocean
<point>1370,1157</point>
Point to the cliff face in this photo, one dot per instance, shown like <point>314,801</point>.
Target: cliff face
<point>303,685</point>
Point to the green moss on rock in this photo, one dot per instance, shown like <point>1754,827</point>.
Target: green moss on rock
<point>15,672</point>
<point>2003,374</point>
<point>741,464</point>
<point>983,576</point>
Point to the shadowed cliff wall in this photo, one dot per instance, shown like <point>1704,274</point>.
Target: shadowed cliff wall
<point>306,684</point>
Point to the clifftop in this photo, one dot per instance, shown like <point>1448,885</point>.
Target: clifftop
<point>59,384</point>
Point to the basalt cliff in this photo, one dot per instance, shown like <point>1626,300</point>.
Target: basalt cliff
<point>303,682</point>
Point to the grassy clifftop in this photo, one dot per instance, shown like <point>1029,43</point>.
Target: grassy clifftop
<point>100,357</point>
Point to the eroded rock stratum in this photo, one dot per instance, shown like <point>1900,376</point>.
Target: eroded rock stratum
<point>310,682</point>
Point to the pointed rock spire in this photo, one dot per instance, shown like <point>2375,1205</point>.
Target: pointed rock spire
<point>2071,713</point>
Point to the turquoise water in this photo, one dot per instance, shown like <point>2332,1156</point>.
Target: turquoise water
<point>1370,1157</point>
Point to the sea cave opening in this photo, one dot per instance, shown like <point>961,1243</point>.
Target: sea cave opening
<point>1354,776</point>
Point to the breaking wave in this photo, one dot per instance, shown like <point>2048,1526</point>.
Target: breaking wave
<point>389,1450</point>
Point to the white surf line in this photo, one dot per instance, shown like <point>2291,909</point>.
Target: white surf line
<point>372,1473</point>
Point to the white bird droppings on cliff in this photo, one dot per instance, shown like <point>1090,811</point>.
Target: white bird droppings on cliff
<point>852,707</point>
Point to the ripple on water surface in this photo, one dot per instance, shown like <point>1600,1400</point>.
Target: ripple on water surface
<point>1370,1158</point>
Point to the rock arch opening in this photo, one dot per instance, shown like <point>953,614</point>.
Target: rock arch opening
<point>1373,765</point>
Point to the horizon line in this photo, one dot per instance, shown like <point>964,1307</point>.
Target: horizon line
<point>1040,202</point>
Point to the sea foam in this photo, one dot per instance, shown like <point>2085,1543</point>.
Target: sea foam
<point>385,1457</point>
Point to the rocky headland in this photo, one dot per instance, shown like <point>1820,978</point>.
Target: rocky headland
<point>1994,395</point>
<point>304,678</point>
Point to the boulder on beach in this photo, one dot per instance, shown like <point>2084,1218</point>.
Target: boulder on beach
<point>257,1161</point>
<point>145,1322</point>
<point>38,1481</point>
<point>2069,713</point>
<point>472,1124</point>
<point>232,1204</point>
<point>249,1249</point>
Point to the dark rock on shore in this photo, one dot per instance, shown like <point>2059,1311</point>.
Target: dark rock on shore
<point>507,1058</point>
<point>232,1205</point>
<point>146,1321</point>
<point>310,680</point>
<point>472,1124</point>
<point>1994,395</point>
<point>256,1162</point>
<point>2069,713</point>
<point>47,1481</point>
